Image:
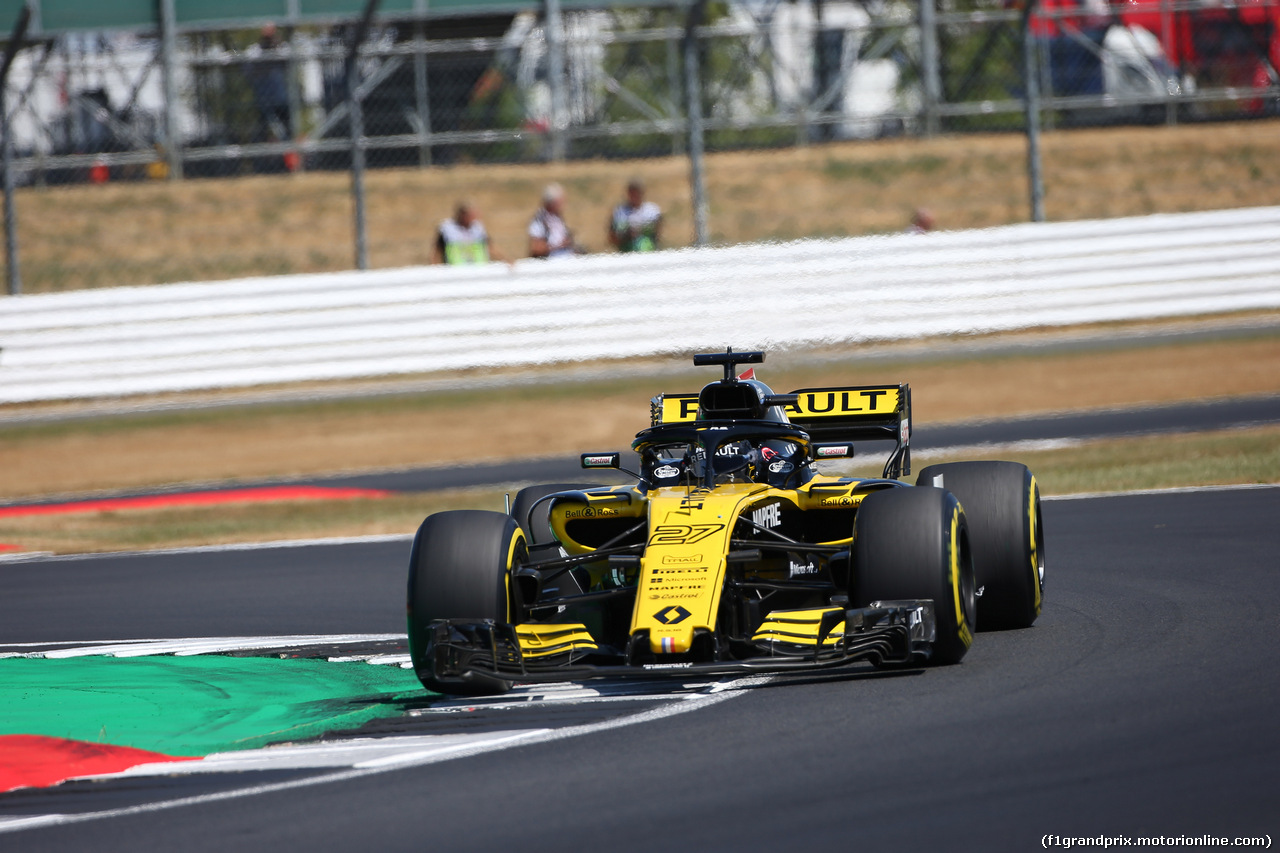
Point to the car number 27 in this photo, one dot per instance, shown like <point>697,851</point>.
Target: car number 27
<point>682,534</point>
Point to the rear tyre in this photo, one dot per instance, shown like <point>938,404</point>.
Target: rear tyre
<point>912,543</point>
<point>1002,504</point>
<point>537,529</point>
<point>460,568</point>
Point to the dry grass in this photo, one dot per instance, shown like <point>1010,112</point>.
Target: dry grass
<point>136,530</point>
<point>515,422</point>
<point>1210,458</point>
<point>1244,456</point>
<point>95,236</point>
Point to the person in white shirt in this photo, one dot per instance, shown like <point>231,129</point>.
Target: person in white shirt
<point>549,236</point>
<point>635,223</point>
<point>462,239</point>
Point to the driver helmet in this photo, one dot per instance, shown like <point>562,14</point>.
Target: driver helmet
<point>736,462</point>
<point>779,459</point>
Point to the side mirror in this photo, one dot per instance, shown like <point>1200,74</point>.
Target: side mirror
<point>783,400</point>
<point>602,460</point>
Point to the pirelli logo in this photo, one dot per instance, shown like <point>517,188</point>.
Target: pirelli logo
<point>872,401</point>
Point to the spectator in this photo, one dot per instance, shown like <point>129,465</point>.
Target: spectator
<point>269,79</point>
<point>462,239</point>
<point>549,236</point>
<point>921,221</point>
<point>635,223</point>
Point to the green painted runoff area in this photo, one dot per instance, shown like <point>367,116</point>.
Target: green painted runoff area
<point>193,706</point>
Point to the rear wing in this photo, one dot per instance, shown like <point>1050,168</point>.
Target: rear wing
<point>852,413</point>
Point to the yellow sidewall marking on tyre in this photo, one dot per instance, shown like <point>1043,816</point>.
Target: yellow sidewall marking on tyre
<point>511,561</point>
<point>1035,554</point>
<point>966,636</point>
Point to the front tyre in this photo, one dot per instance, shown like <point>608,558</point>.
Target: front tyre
<point>1002,503</point>
<point>460,568</point>
<point>913,543</point>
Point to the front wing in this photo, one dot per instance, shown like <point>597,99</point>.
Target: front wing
<point>468,653</point>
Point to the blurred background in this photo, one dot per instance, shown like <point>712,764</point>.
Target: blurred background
<point>208,140</point>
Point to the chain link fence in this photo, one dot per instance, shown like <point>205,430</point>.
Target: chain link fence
<point>537,90</point>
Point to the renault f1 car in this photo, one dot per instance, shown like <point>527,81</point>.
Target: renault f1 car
<point>730,552</point>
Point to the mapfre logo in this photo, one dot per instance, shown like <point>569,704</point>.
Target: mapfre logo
<point>768,516</point>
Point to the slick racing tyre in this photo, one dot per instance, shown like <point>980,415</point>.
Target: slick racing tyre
<point>537,529</point>
<point>1002,504</point>
<point>912,543</point>
<point>460,568</point>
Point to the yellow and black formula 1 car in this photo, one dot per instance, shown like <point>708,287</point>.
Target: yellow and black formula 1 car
<point>730,553</point>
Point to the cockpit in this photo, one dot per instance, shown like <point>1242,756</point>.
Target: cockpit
<point>711,454</point>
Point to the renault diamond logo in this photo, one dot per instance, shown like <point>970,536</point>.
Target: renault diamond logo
<point>672,615</point>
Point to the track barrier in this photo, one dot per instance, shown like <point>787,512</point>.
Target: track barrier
<point>427,320</point>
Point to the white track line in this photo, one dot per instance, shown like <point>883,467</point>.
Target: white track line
<point>1027,445</point>
<point>1176,490</point>
<point>354,752</point>
<point>385,764</point>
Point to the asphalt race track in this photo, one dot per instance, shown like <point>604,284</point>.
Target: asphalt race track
<point>1143,703</point>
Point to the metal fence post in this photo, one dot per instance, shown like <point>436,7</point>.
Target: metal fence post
<point>820,131</point>
<point>13,274</point>
<point>1031,82</point>
<point>556,76</point>
<point>357,133</point>
<point>421,92</point>
<point>10,213</point>
<point>673,80</point>
<point>929,66</point>
<point>693,97</point>
<point>168,58</point>
<point>357,169</point>
<point>1166,38</point>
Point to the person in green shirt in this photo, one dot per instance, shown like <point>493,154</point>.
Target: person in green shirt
<point>635,223</point>
<point>462,239</point>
